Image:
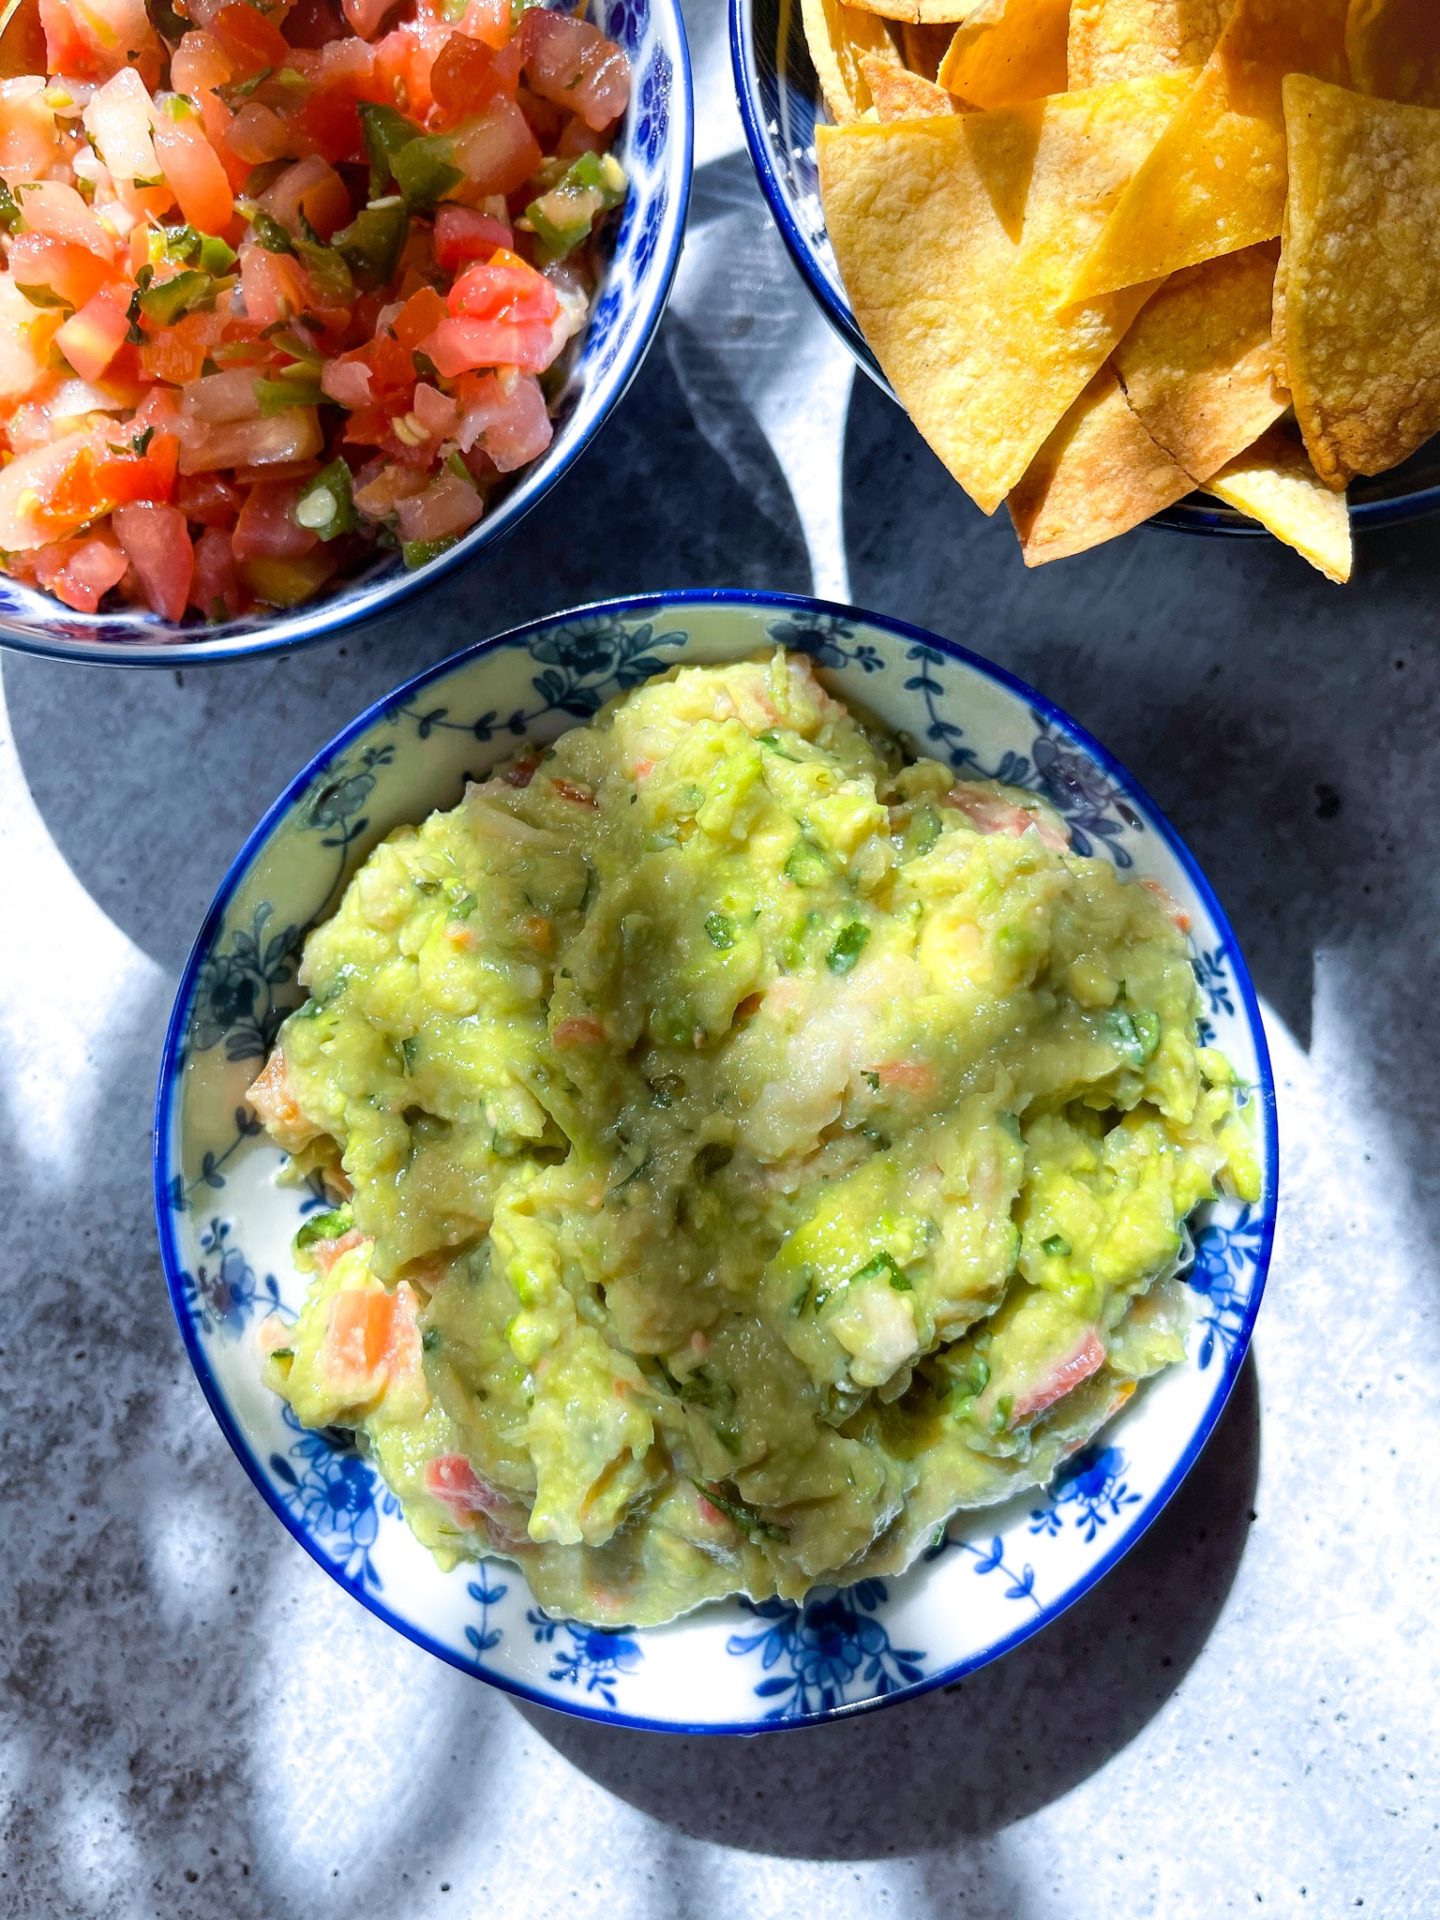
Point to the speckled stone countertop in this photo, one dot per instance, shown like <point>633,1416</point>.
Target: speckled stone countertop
<point>195,1722</point>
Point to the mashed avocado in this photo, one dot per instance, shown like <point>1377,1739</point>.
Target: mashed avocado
<point>756,1149</point>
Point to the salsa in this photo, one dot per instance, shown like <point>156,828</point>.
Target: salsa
<point>285,284</point>
<point>748,1149</point>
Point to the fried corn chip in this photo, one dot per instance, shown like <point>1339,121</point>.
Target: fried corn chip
<point>839,39</point>
<point>921,13</point>
<point>1362,277</point>
<point>899,94</point>
<point>1197,365</point>
<point>1394,49</point>
<point>1121,39</point>
<point>956,240</point>
<point>1008,51</point>
<point>1216,179</point>
<point>1274,483</point>
<point>1097,476</point>
<point>924,48</point>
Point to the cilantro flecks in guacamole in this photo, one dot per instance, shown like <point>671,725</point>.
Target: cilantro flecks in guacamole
<point>754,1149</point>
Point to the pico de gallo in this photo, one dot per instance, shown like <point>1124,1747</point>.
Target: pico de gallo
<point>284,282</point>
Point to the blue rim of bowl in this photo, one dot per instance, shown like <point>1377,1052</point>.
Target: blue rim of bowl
<point>649,606</point>
<point>391,593</point>
<point>1198,514</point>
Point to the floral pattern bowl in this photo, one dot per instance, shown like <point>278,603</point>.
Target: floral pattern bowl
<point>655,146</point>
<point>225,1225</point>
<point>780,104</point>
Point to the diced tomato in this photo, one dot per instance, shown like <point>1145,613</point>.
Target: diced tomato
<point>215,589</point>
<point>156,542</point>
<point>464,77</point>
<point>330,121</point>
<point>505,419</point>
<point>326,1252</point>
<point>504,288</point>
<point>267,528</point>
<point>67,269</point>
<point>489,21</point>
<point>177,353</point>
<point>193,168</point>
<point>311,190</point>
<point>29,139</point>
<point>1087,1358</point>
<point>449,506</point>
<point>314,23</point>
<point>91,338</point>
<point>572,63</point>
<point>420,315</point>
<point>22,46</point>
<point>578,1031</point>
<point>250,40</point>
<point>496,151</point>
<point>81,572</point>
<point>208,499</point>
<point>92,41</point>
<point>272,284</point>
<point>365,16</point>
<point>463,233</point>
<point>463,345</point>
<point>912,1076</point>
<point>50,207</point>
<point>473,1501</point>
<point>130,476</point>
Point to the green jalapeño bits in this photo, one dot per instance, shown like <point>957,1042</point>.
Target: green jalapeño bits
<point>326,506</point>
<point>635,1288</point>
<point>565,216</point>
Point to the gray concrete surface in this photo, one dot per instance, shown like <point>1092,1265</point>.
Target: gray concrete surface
<point>195,1722</point>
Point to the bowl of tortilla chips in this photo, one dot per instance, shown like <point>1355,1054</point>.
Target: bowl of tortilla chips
<point>1121,261</point>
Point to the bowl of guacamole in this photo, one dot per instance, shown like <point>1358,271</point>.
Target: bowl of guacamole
<point>706,1123</point>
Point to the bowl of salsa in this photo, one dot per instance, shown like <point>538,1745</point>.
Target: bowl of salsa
<point>303,307</point>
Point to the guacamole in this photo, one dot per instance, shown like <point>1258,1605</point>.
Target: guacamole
<point>750,1150</point>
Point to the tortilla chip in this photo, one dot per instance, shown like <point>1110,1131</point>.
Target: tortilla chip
<point>1097,476</point>
<point>1197,365</point>
<point>839,38</point>
<point>1275,484</point>
<point>1394,49</point>
<point>1216,180</point>
<point>956,239</point>
<point>1362,277</point>
<point>1121,39</point>
<point>1008,51</point>
<point>922,13</point>
<point>901,95</point>
<point>924,48</point>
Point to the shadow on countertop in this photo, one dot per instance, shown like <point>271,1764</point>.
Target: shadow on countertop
<point>971,1758</point>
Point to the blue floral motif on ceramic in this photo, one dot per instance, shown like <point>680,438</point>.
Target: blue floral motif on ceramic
<point>1019,1582</point>
<point>640,253</point>
<point>970,1597</point>
<point>595,1657</point>
<point>487,1593</point>
<point>336,1495</point>
<point>1089,1491</point>
<point>224,1292</point>
<point>1223,1275</point>
<point>1081,792</point>
<point>818,1655</point>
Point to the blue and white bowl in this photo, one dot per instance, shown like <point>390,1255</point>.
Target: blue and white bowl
<point>655,146</point>
<point>226,1226</point>
<point>780,103</point>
